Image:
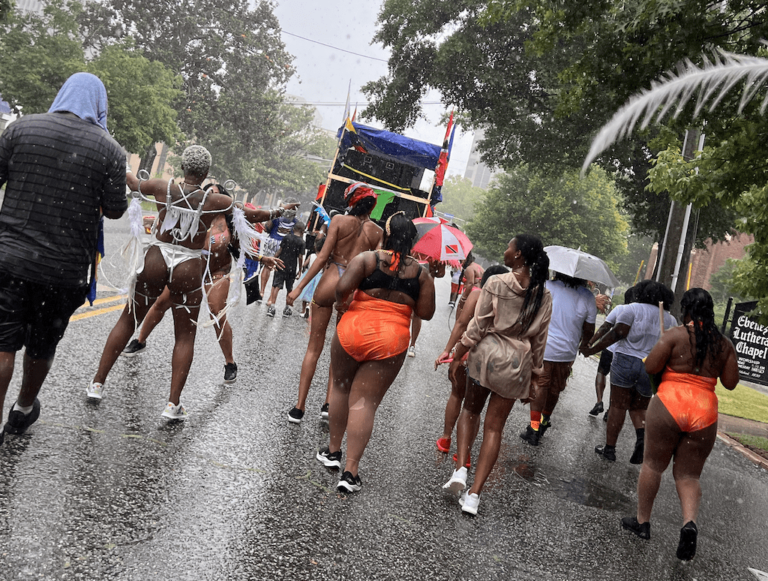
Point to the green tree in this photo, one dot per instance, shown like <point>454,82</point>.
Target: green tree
<point>137,119</point>
<point>563,210</point>
<point>39,52</point>
<point>6,7</point>
<point>723,284</point>
<point>638,251</point>
<point>460,197</point>
<point>540,76</point>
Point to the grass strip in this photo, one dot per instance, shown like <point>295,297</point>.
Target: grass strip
<point>743,402</point>
<point>754,441</point>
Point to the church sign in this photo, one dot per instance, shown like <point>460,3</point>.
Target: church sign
<point>750,339</point>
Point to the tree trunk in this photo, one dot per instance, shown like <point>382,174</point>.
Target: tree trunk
<point>148,159</point>
<point>670,249</point>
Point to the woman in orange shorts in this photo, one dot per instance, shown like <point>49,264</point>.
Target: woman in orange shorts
<point>371,339</point>
<point>682,420</point>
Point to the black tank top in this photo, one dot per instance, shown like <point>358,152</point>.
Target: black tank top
<point>380,279</point>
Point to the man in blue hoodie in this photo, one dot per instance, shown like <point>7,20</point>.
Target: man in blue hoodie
<point>62,171</point>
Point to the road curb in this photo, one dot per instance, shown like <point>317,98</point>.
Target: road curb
<point>749,454</point>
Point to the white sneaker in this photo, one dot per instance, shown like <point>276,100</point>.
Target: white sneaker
<point>174,412</point>
<point>95,390</point>
<point>412,351</point>
<point>469,503</point>
<point>458,481</point>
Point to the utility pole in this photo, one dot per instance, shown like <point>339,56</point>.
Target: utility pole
<point>674,263</point>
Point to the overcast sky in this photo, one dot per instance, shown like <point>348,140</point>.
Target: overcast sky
<point>324,74</point>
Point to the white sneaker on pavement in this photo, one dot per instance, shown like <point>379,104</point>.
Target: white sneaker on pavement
<point>174,412</point>
<point>458,481</point>
<point>95,390</point>
<point>469,503</point>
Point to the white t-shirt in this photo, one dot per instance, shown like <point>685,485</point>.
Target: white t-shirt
<point>611,318</point>
<point>571,308</point>
<point>456,276</point>
<point>644,329</point>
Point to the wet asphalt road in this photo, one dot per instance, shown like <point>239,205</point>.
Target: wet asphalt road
<point>112,491</point>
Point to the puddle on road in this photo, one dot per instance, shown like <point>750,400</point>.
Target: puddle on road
<point>584,491</point>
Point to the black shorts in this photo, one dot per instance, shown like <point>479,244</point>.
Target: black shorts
<point>35,315</point>
<point>284,276</point>
<point>606,358</point>
<point>309,242</point>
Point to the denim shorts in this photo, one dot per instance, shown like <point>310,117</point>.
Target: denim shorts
<point>629,372</point>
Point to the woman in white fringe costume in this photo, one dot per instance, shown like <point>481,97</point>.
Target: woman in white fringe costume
<point>175,259</point>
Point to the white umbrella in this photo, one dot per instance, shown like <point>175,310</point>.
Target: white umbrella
<point>579,264</point>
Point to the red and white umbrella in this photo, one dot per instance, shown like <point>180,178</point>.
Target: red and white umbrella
<point>441,242</point>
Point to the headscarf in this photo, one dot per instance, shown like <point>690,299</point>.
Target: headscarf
<point>356,192</point>
<point>84,95</point>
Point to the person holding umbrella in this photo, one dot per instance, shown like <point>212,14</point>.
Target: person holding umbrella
<point>573,323</point>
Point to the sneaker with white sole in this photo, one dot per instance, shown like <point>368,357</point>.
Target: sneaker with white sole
<point>412,351</point>
<point>295,415</point>
<point>287,311</point>
<point>349,483</point>
<point>458,481</point>
<point>174,412</point>
<point>328,458</point>
<point>134,348</point>
<point>95,390</point>
<point>324,411</point>
<point>469,503</point>
<point>230,372</point>
<point>270,310</point>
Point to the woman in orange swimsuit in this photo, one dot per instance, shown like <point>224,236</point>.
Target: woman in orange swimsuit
<point>347,237</point>
<point>682,420</point>
<point>371,340</point>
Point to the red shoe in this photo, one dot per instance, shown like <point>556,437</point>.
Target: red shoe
<point>469,460</point>
<point>444,445</point>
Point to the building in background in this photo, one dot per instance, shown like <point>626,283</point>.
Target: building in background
<point>706,261</point>
<point>478,172</point>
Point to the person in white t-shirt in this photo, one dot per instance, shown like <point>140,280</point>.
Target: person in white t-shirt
<point>606,357</point>
<point>573,323</point>
<point>636,331</point>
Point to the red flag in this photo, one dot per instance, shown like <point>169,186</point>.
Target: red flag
<point>442,162</point>
<point>320,192</point>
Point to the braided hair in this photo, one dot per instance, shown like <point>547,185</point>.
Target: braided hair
<point>698,305</point>
<point>532,250</point>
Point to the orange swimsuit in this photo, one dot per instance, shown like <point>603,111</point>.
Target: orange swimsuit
<point>689,398</point>
<point>374,329</point>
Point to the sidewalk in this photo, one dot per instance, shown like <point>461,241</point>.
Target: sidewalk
<point>736,425</point>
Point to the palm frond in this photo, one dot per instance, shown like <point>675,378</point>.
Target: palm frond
<point>712,81</point>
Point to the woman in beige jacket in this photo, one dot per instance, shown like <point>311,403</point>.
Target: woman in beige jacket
<point>505,342</point>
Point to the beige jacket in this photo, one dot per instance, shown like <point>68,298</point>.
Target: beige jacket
<point>500,358</point>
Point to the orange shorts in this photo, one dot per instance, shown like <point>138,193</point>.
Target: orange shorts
<point>374,329</point>
<point>690,399</point>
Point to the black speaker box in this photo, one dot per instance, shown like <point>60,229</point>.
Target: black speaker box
<point>399,174</point>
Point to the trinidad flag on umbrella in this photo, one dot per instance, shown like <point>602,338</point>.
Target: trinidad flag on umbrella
<point>441,242</point>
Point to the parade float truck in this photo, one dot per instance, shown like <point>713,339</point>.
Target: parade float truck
<point>406,173</point>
